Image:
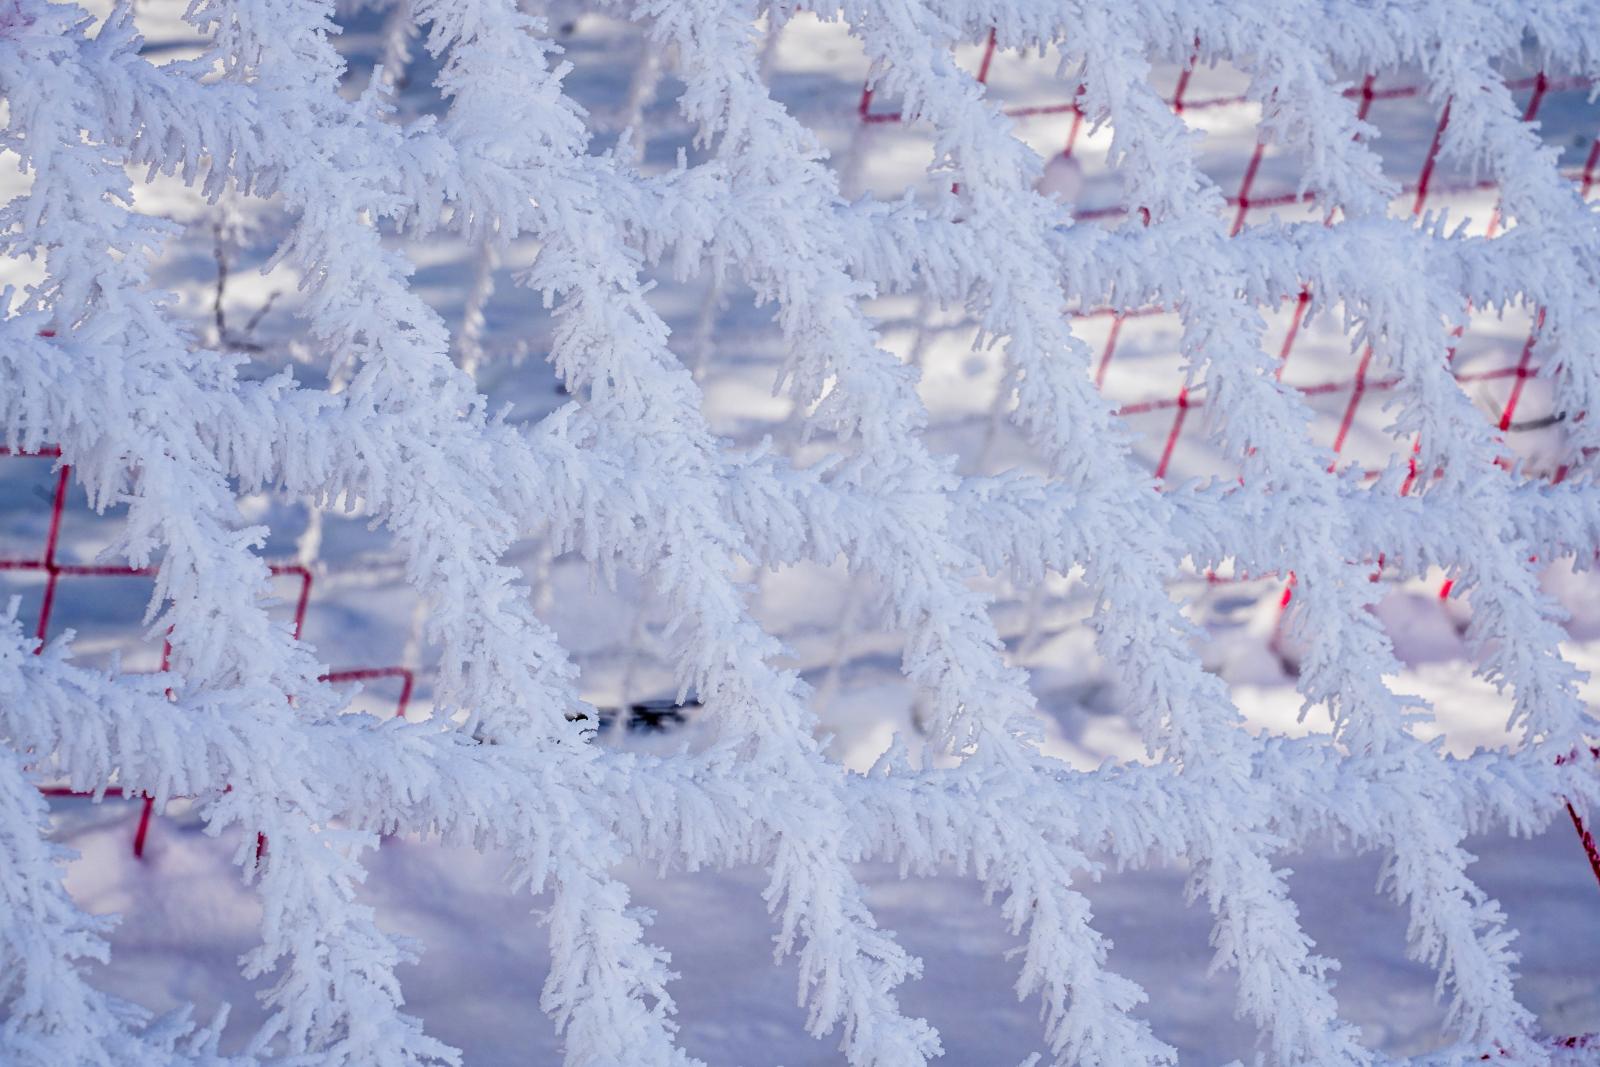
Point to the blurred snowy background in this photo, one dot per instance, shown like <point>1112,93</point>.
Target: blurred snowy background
<point>186,918</point>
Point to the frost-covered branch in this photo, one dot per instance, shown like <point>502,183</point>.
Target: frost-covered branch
<point>631,474</point>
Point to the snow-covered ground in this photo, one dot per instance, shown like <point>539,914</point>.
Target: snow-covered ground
<point>186,918</point>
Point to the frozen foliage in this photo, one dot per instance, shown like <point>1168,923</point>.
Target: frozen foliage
<point>96,361</point>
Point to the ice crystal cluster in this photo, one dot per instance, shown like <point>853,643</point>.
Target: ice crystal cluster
<point>630,474</point>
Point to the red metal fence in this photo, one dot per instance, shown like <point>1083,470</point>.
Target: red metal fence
<point>55,571</point>
<point>1421,192</point>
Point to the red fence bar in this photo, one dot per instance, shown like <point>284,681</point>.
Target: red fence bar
<point>360,674</point>
<point>54,571</point>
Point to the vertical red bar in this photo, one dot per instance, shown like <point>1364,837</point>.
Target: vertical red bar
<point>143,831</point>
<point>52,570</point>
<point>1587,838</point>
<point>1295,323</point>
<point>1412,469</point>
<point>1424,180</point>
<point>1289,338</point>
<point>1275,642</point>
<point>988,58</point>
<point>1367,96</point>
<point>1540,86</point>
<point>1182,413</point>
<point>1077,125</point>
<point>1182,86</point>
<point>983,79</point>
<point>1111,347</point>
<point>1522,374</point>
<point>1357,391</point>
<point>1174,433</point>
<point>1245,186</point>
<point>1589,165</point>
<point>303,601</point>
<point>1426,177</point>
<point>408,679</point>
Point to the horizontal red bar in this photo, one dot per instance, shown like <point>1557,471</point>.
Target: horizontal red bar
<point>361,674</point>
<point>95,570</point>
